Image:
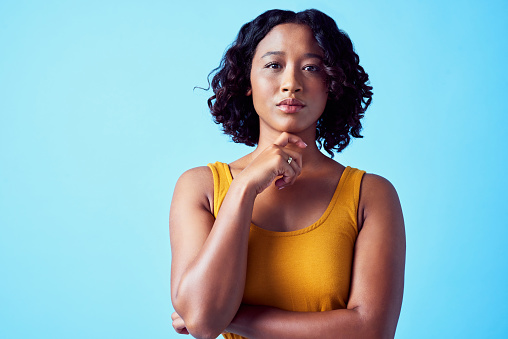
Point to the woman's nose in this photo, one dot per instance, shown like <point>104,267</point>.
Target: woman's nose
<point>290,82</point>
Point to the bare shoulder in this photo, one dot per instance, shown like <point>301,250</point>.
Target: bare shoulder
<point>378,198</point>
<point>372,181</point>
<point>196,185</point>
<point>375,185</point>
<point>198,176</point>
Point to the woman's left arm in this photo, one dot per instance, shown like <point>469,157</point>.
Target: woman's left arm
<point>377,281</point>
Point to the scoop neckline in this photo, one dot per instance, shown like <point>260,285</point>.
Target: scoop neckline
<point>306,229</point>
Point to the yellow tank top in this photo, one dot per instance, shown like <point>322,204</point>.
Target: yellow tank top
<point>307,270</point>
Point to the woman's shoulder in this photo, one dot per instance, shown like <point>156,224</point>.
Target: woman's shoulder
<point>197,175</point>
<point>374,185</point>
<point>378,197</point>
<point>196,184</point>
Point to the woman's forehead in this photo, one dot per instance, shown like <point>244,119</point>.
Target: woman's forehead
<point>289,36</point>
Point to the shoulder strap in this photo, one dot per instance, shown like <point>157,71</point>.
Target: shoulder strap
<point>221,182</point>
<point>349,195</point>
<point>355,182</point>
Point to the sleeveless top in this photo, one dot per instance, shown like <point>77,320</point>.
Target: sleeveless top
<point>307,270</point>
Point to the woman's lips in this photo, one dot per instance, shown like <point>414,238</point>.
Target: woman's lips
<point>289,108</point>
<point>290,105</point>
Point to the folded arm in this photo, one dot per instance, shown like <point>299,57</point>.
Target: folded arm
<point>208,256</point>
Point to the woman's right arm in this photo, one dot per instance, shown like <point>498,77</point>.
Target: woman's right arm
<point>208,256</point>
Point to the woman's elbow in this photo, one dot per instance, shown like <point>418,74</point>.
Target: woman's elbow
<point>202,328</point>
<point>199,322</point>
<point>203,317</point>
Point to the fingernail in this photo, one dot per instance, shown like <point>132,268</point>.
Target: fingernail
<point>304,143</point>
<point>282,187</point>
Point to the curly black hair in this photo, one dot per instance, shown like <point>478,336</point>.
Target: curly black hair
<point>349,92</point>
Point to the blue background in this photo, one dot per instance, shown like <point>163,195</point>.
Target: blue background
<point>98,118</point>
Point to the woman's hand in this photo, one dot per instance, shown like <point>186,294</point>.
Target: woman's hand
<point>179,324</point>
<point>275,162</point>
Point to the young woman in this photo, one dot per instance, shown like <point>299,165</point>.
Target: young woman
<point>286,242</point>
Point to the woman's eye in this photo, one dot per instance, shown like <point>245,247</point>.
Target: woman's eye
<point>273,65</point>
<point>312,68</point>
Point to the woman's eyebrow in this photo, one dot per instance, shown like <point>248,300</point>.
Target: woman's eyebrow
<point>306,55</point>
<point>272,53</point>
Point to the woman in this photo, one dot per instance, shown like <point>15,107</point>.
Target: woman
<point>285,242</point>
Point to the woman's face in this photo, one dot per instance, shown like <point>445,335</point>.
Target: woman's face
<point>288,84</point>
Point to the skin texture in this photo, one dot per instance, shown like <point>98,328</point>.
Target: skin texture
<point>209,255</point>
